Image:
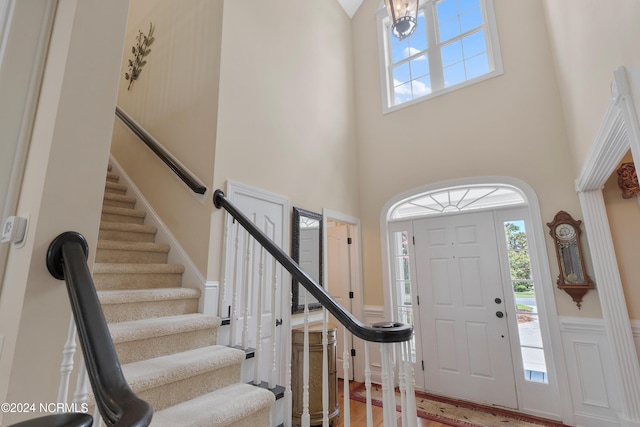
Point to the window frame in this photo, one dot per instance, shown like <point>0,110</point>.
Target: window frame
<point>433,53</point>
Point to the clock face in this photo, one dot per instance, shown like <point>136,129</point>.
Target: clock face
<point>565,231</point>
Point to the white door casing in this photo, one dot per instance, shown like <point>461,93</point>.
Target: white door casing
<point>339,268</point>
<point>355,282</point>
<point>459,282</point>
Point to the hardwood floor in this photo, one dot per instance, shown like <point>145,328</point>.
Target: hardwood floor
<point>359,413</point>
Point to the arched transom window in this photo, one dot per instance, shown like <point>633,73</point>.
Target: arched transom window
<point>458,199</point>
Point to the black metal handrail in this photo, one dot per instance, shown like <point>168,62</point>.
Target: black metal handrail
<point>187,177</point>
<point>386,332</point>
<point>118,405</point>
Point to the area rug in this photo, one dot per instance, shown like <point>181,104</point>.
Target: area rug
<point>456,413</point>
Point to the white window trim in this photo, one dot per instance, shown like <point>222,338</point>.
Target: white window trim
<point>493,53</point>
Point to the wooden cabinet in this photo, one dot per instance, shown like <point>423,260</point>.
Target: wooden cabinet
<point>315,373</point>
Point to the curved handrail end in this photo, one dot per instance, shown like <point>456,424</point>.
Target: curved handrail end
<point>218,196</point>
<point>54,253</point>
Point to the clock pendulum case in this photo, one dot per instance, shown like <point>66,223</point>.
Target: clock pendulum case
<point>573,278</point>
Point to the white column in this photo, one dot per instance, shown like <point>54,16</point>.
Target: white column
<point>612,301</point>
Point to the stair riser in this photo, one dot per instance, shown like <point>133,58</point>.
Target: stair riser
<point>122,218</point>
<point>171,394</point>
<point>113,177</point>
<point>126,236</point>
<point>118,281</point>
<point>119,203</point>
<point>133,351</point>
<point>115,190</point>
<point>119,256</point>
<point>148,309</point>
<point>261,418</point>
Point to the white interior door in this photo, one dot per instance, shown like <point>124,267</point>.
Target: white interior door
<point>339,271</point>
<point>464,333</point>
<point>270,213</point>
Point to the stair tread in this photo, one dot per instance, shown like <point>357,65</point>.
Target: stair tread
<point>115,268</point>
<point>161,326</point>
<point>129,296</point>
<point>119,197</point>
<point>133,246</point>
<point>113,176</point>
<point>123,226</point>
<point>221,407</point>
<point>115,210</point>
<point>116,186</point>
<point>149,373</point>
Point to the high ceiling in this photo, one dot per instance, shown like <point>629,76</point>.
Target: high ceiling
<point>350,6</point>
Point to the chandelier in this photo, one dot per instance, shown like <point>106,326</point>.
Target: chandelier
<point>403,14</point>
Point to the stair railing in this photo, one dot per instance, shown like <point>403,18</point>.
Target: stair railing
<point>394,338</point>
<point>116,403</point>
<point>162,153</point>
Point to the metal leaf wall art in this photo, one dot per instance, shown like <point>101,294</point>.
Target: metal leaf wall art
<point>139,51</point>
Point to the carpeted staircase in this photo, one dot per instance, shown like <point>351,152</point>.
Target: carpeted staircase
<point>168,351</point>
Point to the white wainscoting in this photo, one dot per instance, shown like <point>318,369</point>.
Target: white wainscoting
<point>594,389</point>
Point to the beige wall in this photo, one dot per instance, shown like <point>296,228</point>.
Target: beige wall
<point>175,99</point>
<point>511,125</point>
<point>62,190</point>
<point>590,39</point>
<point>286,119</point>
<point>624,217</point>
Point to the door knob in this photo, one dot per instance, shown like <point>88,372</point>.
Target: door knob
<point>499,314</point>
<point>498,300</point>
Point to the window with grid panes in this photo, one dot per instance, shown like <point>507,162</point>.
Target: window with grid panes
<point>455,44</point>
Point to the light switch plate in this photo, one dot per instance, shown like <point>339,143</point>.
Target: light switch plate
<point>14,229</point>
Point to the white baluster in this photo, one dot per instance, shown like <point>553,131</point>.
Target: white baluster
<point>246,290</point>
<point>345,377</point>
<point>306,418</point>
<point>388,394</point>
<point>288,394</point>
<point>82,385</point>
<point>274,320</point>
<point>402,382</point>
<point>367,384</point>
<point>236,287</point>
<point>412,413</point>
<point>325,370</point>
<point>66,367</point>
<point>257,361</point>
<point>223,272</point>
<point>97,418</point>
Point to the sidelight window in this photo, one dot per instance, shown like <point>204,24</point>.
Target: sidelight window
<point>523,284</point>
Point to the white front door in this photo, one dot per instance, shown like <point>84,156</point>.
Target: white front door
<point>464,333</point>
